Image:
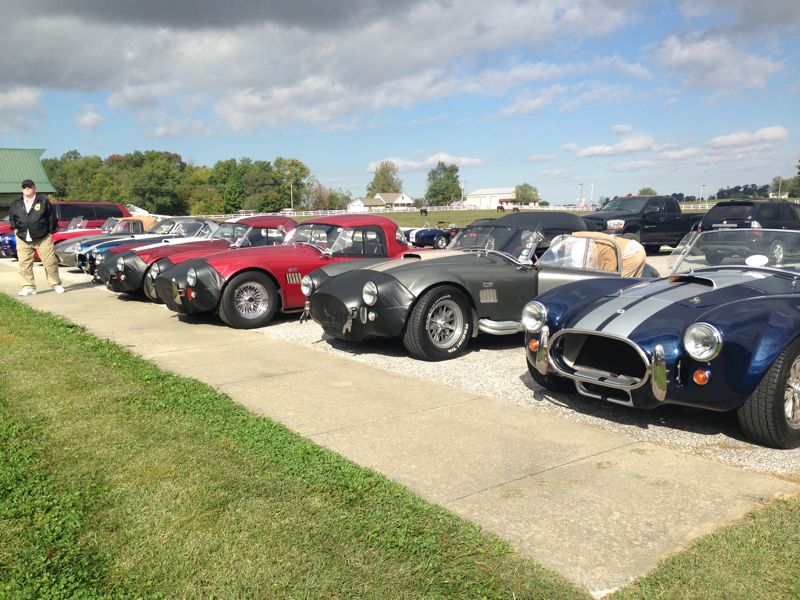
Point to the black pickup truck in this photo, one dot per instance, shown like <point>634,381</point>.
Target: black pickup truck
<point>652,220</point>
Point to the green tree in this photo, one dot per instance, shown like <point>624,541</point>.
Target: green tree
<point>527,194</point>
<point>647,191</point>
<point>295,182</point>
<point>385,180</point>
<point>154,185</point>
<point>443,185</point>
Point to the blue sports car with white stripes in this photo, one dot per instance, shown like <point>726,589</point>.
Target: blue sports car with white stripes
<point>722,336</point>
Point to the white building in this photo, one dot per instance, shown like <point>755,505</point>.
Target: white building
<point>395,200</point>
<point>390,201</point>
<point>491,198</point>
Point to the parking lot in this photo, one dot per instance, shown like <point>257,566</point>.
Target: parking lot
<point>495,366</point>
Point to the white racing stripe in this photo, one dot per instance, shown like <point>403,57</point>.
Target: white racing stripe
<point>633,317</point>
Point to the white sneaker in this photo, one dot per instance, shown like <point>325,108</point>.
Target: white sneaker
<point>26,291</point>
<point>59,289</point>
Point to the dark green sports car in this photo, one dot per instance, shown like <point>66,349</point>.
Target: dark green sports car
<point>437,300</point>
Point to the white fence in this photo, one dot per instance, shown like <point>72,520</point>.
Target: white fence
<point>685,207</point>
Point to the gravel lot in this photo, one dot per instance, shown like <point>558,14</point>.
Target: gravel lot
<point>495,366</point>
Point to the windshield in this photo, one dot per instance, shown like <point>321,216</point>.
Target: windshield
<point>162,227</point>
<point>126,227</point>
<point>512,241</point>
<point>193,229</point>
<point>581,253</point>
<point>319,234</point>
<point>229,232</point>
<point>77,223</point>
<point>777,248</point>
<point>633,205</point>
<point>340,240</point>
<point>109,224</point>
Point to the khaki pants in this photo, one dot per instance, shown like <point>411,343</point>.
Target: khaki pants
<point>47,253</point>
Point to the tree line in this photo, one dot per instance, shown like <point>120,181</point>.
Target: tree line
<point>161,182</point>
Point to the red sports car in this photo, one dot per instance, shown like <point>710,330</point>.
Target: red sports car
<point>248,286</point>
<point>134,270</point>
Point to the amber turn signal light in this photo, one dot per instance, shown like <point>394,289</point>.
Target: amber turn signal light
<point>533,345</point>
<point>700,377</point>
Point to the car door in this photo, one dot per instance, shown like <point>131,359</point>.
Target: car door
<point>654,221</point>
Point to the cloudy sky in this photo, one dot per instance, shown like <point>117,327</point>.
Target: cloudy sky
<point>607,96</point>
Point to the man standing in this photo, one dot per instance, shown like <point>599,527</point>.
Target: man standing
<point>33,220</point>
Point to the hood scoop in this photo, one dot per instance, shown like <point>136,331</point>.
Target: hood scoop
<point>689,278</point>
<point>431,254</point>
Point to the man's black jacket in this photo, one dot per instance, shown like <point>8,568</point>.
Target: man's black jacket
<point>39,222</point>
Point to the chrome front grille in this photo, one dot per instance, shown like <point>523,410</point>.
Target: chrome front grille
<point>603,366</point>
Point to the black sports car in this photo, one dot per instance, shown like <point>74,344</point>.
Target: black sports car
<point>437,301</point>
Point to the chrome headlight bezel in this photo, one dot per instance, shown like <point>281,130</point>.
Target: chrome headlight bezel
<point>120,263</point>
<point>155,270</point>
<point>702,341</point>
<point>369,293</point>
<point>534,316</point>
<point>615,224</point>
<point>191,277</point>
<point>307,285</point>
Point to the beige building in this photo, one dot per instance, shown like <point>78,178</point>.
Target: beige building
<point>491,198</point>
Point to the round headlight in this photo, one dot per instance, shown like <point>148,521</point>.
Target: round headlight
<point>191,277</point>
<point>369,293</point>
<point>534,316</point>
<point>120,264</point>
<point>702,341</point>
<point>306,285</point>
<point>155,270</point>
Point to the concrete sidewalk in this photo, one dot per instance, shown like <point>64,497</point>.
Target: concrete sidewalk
<point>599,508</point>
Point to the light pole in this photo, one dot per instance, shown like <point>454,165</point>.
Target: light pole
<point>580,195</point>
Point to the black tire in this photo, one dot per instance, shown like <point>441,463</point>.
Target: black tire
<point>249,300</point>
<point>440,242</point>
<point>149,289</point>
<point>652,248</point>
<point>439,326</point>
<point>633,235</point>
<point>763,416</point>
<point>554,383</point>
<point>777,252</point>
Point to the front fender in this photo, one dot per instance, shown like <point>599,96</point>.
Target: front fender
<point>754,333</point>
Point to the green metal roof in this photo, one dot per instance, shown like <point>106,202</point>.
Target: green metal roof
<point>17,164</point>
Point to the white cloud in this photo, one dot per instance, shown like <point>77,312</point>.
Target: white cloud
<point>541,157</point>
<point>628,145</point>
<point>713,61</point>
<point>621,129</point>
<point>556,174</point>
<point>19,108</point>
<point>405,165</point>
<point>745,138</point>
<point>90,119</point>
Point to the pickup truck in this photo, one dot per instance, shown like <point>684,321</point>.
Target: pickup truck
<point>652,220</point>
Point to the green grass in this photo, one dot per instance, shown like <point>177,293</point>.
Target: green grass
<point>756,558</point>
<point>120,480</point>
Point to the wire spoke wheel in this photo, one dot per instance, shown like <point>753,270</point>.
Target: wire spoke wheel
<point>251,300</point>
